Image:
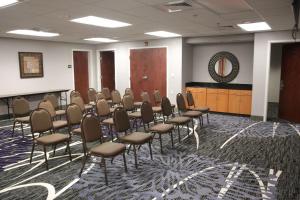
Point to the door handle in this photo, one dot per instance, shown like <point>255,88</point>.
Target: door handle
<point>145,77</point>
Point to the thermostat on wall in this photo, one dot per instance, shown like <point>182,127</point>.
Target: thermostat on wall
<point>69,66</point>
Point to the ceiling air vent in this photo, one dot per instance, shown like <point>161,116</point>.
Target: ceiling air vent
<point>177,6</point>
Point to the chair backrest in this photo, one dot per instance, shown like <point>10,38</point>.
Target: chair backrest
<point>92,95</point>
<point>20,107</point>
<point>74,93</point>
<point>74,114</point>
<point>190,98</point>
<point>99,96</point>
<point>40,121</point>
<point>128,91</point>
<point>147,112</point>
<point>157,97</point>
<point>116,97</point>
<point>166,106</point>
<point>79,101</point>
<point>180,102</point>
<point>53,99</point>
<point>90,128</point>
<point>128,103</point>
<point>102,108</point>
<point>121,120</point>
<point>106,93</point>
<point>145,97</point>
<point>47,105</point>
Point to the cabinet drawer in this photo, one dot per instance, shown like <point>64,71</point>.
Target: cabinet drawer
<point>212,91</point>
<point>222,91</point>
<point>234,92</point>
<point>245,92</point>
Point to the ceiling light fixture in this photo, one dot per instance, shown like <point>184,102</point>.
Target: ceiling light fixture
<point>174,10</point>
<point>6,3</point>
<point>105,40</point>
<point>257,26</point>
<point>164,34</point>
<point>33,33</point>
<point>99,21</point>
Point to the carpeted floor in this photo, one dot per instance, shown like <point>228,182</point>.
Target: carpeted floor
<point>230,158</point>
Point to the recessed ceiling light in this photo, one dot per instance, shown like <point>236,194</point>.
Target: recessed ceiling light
<point>106,40</point>
<point>99,21</point>
<point>164,34</point>
<point>33,33</point>
<point>5,3</point>
<point>258,26</point>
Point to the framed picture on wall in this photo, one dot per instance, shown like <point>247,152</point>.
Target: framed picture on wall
<point>31,64</point>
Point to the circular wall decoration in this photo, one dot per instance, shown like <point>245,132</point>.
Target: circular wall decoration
<point>223,67</point>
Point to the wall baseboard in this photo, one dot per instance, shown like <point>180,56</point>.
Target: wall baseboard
<point>257,118</point>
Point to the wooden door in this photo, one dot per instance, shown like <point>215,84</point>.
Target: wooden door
<point>222,100</point>
<point>148,71</point>
<point>289,108</point>
<point>107,65</point>
<point>81,73</point>
<point>211,99</point>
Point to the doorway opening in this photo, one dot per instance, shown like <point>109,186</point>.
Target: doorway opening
<point>107,68</point>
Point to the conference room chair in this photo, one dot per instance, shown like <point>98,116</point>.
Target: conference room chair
<point>167,112</point>
<point>74,117</point>
<point>53,99</point>
<point>122,125</point>
<point>91,133</point>
<point>21,113</point>
<point>128,91</point>
<point>116,98</point>
<point>99,96</point>
<point>160,129</point>
<point>77,99</point>
<point>57,124</point>
<point>183,111</point>
<point>104,113</point>
<point>74,93</point>
<point>145,97</point>
<point>191,104</point>
<point>107,94</point>
<point>128,105</point>
<point>41,123</point>
<point>92,96</point>
<point>158,99</point>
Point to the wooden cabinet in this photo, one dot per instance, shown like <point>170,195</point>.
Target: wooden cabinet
<point>223,100</point>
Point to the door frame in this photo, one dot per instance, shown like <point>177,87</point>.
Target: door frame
<point>267,80</point>
<point>167,63</point>
<point>98,68</point>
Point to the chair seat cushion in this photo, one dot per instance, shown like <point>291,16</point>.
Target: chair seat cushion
<point>156,109</point>
<point>135,115</point>
<point>23,119</point>
<point>202,109</point>
<point>108,121</point>
<point>136,138</point>
<point>162,128</point>
<point>60,112</point>
<point>192,113</point>
<point>59,124</point>
<point>77,131</point>
<point>54,138</point>
<point>179,120</point>
<point>108,149</point>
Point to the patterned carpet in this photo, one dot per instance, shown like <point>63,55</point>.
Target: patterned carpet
<point>230,158</point>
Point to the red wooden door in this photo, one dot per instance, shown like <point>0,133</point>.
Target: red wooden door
<point>107,69</point>
<point>148,71</point>
<point>81,73</point>
<point>289,102</point>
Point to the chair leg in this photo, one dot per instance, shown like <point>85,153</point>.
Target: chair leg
<point>33,145</point>
<point>207,118</point>
<point>129,149</point>
<point>69,150</point>
<point>22,129</point>
<point>161,151</point>
<point>13,129</point>
<point>112,160</point>
<point>171,134</point>
<point>150,149</point>
<point>45,154</point>
<point>105,172</point>
<point>124,159</point>
<point>54,148</point>
<point>110,132</point>
<point>179,138</point>
<point>135,158</point>
<point>83,164</point>
<point>193,126</point>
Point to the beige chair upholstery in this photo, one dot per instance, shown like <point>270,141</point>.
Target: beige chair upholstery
<point>100,96</point>
<point>21,111</point>
<point>104,114</point>
<point>128,105</point>
<point>122,124</point>
<point>158,99</point>
<point>77,99</point>
<point>54,101</point>
<point>74,93</point>
<point>91,132</point>
<point>191,104</point>
<point>92,96</point>
<point>41,122</point>
<point>116,97</point>
<point>128,91</point>
<point>57,124</point>
<point>74,116</point>
<point>148,117</point>
<point>145,97</point>
<point>106,93</point>
<point>167,111</point>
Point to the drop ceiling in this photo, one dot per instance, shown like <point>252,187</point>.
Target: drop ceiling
<point>204,18</point>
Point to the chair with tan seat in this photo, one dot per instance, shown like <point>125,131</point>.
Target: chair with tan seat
<point>145,97</point>
<point>21,112</point>
<point>106,93</point>
<point>57,124</point>
<point>191,104</point>
<point>104,113</point>
<point>91,132</point>
<point>77,99</point>
<point>122,125</point>
<point>74,117</point>
<point>128,91</point>
<point>99,96</point>
<point>41,122</point>
<point>182,110</point>
<point>167,111</point>
<point>158,99</point>
<point>116,98</point>
<point>53,99</point>
<point>160,129</point>
<point>74,93</point>
<point>128,105</point>
<point>92,96</point>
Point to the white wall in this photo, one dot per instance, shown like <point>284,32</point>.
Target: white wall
<point>122,63</point>
<point>275,73</point>
<point>203,53</point>
<point>187,63</point>
<point>261,65</point>
<point>56,58</point>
